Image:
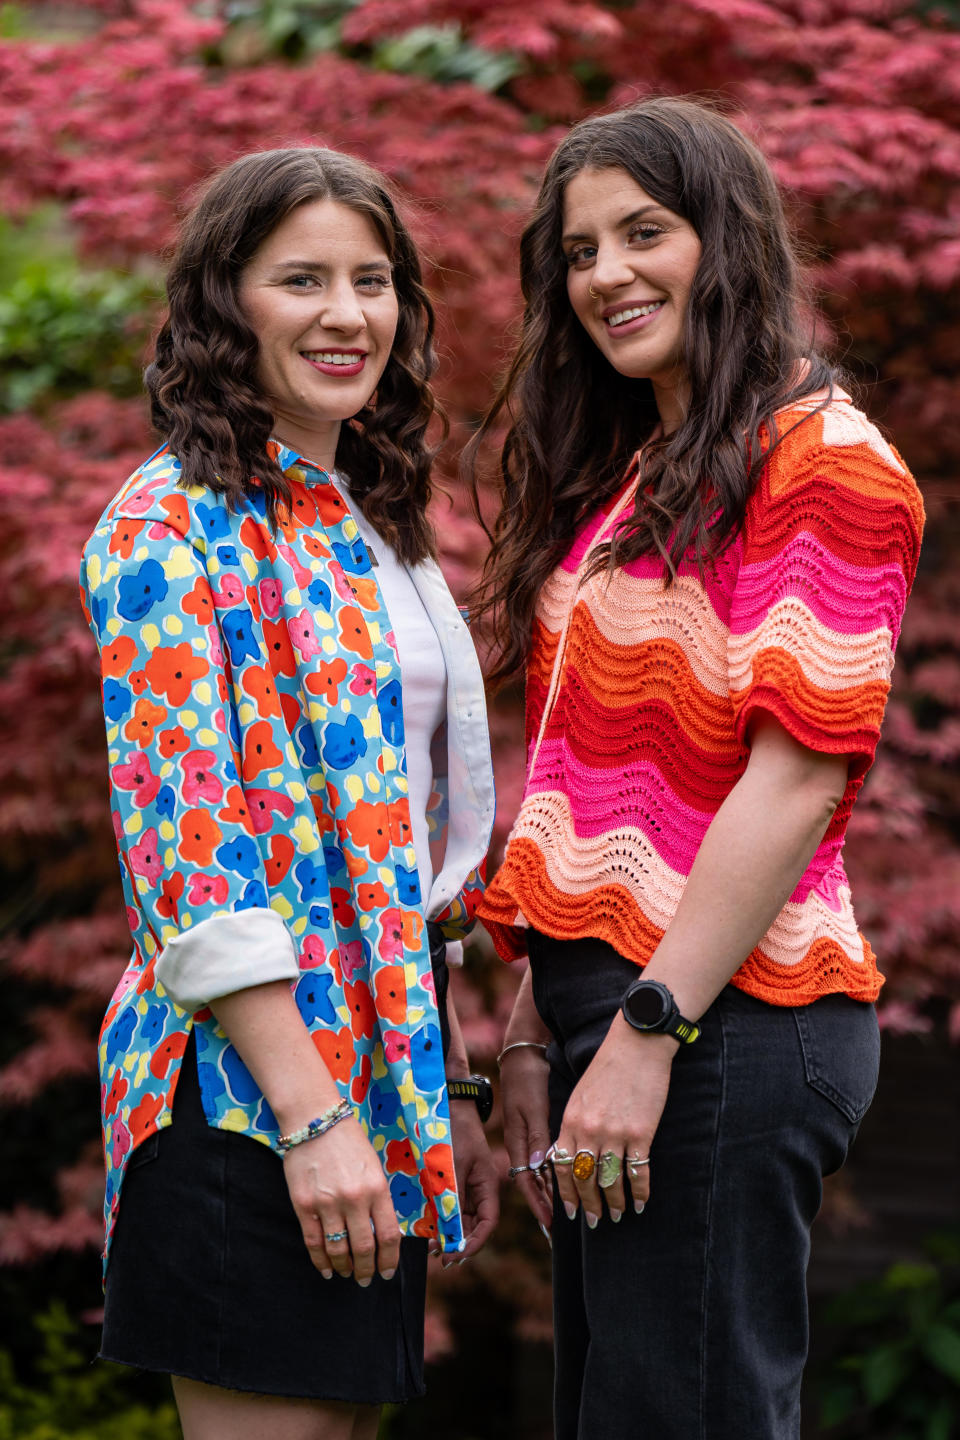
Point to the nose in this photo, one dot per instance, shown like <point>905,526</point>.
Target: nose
<point>341,309</point>
<point>611,268</point>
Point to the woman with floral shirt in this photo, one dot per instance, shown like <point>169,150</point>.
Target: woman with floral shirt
<point>302,798</point>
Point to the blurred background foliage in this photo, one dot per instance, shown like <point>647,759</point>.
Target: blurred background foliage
<point>110,112</point>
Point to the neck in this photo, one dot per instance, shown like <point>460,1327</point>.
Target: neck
<point>673,399</point>
<point>316,443</point>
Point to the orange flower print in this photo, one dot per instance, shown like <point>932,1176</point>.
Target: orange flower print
<point>400,1157</point>
<point>372,897</point>
<point>178,512</point>
<point>363,1015</point>
<point>142,1117</point>
<point>343,912</point>
<point>325,680</point>
<point>282,851</point>
<point>337,1051</point>
<point>124,538</point>
<point>329,503</point>
<point>256,539</point>
<point>303,509</point>
<point>259,751</point>
<point>173,742</point>
<point>172,670</point>
<point>426,1227</point>
<point>259,685</point>
<point>400,831</point>
<point>365,589</point>
<point>391,992</point>
<point>199,835</point>
<point>412,929</point>
<point>137,681</point>
<point>438,1170</point>
<point>118,656</point>
<point>279,650</point>
<point>199,602</point>
<point>236,811</point>
<point>354,634</point>
<point>171,890</point>
<point>143,722</point>
<point>314,546</point>
<point>171,1049</point>
<point>361,1082</point>
<point>369,827</point>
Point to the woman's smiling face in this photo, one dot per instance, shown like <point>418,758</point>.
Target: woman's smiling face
<point>631,264</point>
<point>318,294</point>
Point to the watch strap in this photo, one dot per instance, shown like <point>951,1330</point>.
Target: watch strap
<point>476,1088</point>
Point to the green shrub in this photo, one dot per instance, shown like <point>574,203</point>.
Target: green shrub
<point>64,328</point>
<point>894,1370</point>
<point>72,1399</point>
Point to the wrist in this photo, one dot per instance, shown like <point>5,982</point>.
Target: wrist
<point>650,1045</point>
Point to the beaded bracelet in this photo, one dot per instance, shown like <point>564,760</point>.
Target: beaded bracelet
<point>320,1126</point>
<point>521,1045</point>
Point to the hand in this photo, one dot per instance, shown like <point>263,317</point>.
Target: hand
<point>523,1090</point>
<point>617,1107</point>
<point>336,1182</point>
<point>477,1179</point>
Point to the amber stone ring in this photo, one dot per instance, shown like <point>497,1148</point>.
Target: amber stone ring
<point>584,1164</point>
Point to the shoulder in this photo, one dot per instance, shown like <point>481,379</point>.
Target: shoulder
<point>832,472</point>
<point>154,496</point>
<point>837,445</point>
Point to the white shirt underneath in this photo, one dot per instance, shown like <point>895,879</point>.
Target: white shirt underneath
<point>423,683</point>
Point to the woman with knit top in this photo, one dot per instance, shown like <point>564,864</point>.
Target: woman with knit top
<point>701,565</point>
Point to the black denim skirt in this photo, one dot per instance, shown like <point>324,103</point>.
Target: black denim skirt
<point>209,1277</point>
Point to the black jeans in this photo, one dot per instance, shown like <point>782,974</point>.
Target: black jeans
<point>689,1322</point>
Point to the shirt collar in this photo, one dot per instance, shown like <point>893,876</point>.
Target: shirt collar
<point>288,459</point>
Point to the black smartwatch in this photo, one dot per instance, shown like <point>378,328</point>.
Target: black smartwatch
<point>476,1088</point>
<point>649,1006</point>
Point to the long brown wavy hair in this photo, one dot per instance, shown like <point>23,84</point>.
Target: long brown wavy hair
<point>574,422</point>
<point>204,395</point>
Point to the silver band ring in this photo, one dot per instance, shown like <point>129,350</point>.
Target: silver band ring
<point>334,1236</point>
<point>634,1160</point>
<point>558,1156</point>
<point>516,1170</point>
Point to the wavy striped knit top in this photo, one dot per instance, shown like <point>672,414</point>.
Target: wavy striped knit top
<point>639,698</point>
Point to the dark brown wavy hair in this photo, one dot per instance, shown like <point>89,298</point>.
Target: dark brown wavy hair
<point>574,422</point>
<point>204,395</point>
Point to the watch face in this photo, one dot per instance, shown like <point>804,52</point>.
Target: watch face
<point>646,1005</point>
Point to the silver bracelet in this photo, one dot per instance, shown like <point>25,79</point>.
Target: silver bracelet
<point>320,1126</point>
<point>521,1045</point>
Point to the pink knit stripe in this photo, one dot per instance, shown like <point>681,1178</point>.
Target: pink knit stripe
<point>846,598</point>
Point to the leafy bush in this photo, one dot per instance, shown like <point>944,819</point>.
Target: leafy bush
<point>63,328</point>
<point>895,1369</point>
<point>75,1400</point>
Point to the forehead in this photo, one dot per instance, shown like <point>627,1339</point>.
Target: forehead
<point>323,229</point>
<point>602,196</point>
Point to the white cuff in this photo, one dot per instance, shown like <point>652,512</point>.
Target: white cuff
<point>226,953</point>
<point>455,953</point>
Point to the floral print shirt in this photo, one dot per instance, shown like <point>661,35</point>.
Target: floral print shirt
<point>251,691</point>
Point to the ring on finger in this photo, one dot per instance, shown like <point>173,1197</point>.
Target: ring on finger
<point>558,1156</point>
<point>634,1160</point>
<point>516,1170</point>
<point>610,1169</point>
<point>584,1164</point>
<point>333,1237</point>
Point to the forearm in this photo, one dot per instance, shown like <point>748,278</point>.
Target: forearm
<point>525,1024</point>
<point>752,858</point>
<point>266,1027</point>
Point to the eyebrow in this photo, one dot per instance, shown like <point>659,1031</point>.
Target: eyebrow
<point>292,265</point>
<point>627,220</point>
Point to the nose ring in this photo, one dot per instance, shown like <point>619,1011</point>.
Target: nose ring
<point>592,292</point>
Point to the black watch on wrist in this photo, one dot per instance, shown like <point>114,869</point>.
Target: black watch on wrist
<point>476,1088</point>
<point>649,1006</point>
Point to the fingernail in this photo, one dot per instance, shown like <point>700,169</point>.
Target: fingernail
<point>591,1219</point>
<point>327,1274</point>
<point>616,1216</point>
<point>536,1160</point>
<point>639,1206</point>
<point>389,1274</point>
<point>364,1283</point>
<point>546,1235</point>
<point>570,1209</point>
